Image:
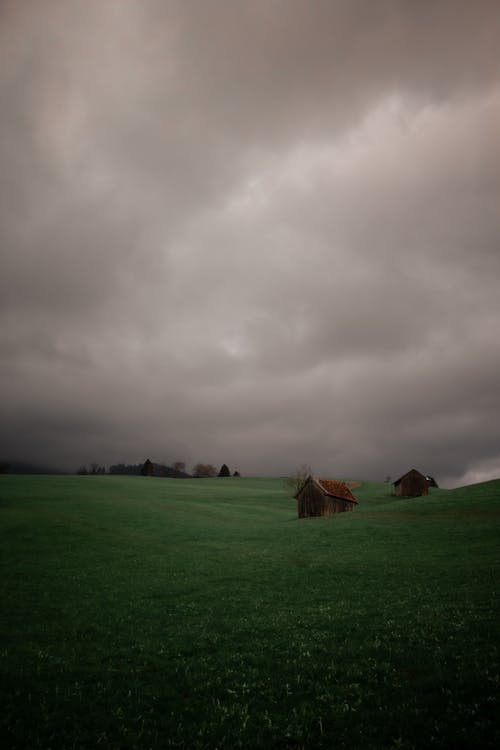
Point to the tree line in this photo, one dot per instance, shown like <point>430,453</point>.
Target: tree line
<point>149,468</point>
<point>208,470</point>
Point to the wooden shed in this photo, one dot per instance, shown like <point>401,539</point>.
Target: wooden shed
<point>323,497</point>
<point>411,484</point>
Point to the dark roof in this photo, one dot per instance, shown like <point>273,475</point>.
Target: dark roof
<point>415,472</point>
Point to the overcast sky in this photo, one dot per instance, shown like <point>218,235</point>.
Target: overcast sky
<point>259,232</point>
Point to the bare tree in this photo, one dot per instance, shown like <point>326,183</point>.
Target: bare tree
<point>296,481</point>
<point>204,470</point>
<point>179,466</point>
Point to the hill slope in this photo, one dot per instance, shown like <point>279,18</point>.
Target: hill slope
<point>150,613</point>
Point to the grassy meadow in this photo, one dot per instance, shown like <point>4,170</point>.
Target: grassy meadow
<point>201,614</point>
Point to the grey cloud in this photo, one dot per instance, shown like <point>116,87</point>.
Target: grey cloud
<point>260,233</point>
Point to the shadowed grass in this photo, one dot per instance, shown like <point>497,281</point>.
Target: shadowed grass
<point>148,613</point>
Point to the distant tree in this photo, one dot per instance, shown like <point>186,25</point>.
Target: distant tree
<point>147,469</point>
<point>179,466</point>
<point>26,467</point>
<point>296,481</point>
<point>236,474</point>
<point>96,469</point>
<point>4,467</point>
<point>224,471</point>
<point>82,470</point>
<point>204,470</point>
<point>387,480</point>
<point>130,469</point>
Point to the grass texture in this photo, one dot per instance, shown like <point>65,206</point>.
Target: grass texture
<point>202,614</point>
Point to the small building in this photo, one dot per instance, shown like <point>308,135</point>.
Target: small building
<point>411,484</point>
<point>323,497</point>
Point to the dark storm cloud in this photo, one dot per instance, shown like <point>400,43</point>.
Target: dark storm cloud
<point>255,232</point>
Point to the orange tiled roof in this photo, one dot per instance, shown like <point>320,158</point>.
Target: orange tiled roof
<point>336,489</point>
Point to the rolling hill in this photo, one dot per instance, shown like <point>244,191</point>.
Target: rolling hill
<point>161,613</point>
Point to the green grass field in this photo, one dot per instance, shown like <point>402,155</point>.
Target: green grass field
<point>155,613</point>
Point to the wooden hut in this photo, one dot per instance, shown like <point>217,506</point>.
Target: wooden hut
<point>323,497</point>
<point>411,484</point>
